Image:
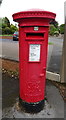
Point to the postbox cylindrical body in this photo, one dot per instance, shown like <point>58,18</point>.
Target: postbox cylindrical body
<point>33,43</point>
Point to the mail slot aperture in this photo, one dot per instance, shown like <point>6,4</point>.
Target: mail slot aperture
<point>35,35</point>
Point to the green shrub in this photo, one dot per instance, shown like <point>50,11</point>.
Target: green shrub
<point>7,30</point>
<point>56,33</point>
<point>62,28</point>
<point>52,30</point>
<point>13,28</point>
<point>0,31</point>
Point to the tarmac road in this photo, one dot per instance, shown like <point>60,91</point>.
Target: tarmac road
<point>10,50</point>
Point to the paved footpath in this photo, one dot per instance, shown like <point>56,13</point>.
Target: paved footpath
<point>54,105</point>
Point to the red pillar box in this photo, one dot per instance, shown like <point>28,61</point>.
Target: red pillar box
<point>33,42</point>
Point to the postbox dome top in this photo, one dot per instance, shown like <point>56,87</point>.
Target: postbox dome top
<point>34,13</point>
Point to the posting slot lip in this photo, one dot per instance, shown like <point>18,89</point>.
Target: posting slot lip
<point>35,32</point>
<point>32,31</point>
<point>35,39</point>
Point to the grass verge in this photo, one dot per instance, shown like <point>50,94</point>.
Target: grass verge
<point>50,43</point>
<point>6,35</point>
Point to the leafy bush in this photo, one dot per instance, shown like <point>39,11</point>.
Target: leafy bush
<point>6,21</point>
<point>7,30</point>
<point>62,28</point>
<point>52,30</point>
<point>13,28</point>
<point>6,27</point>
<point>56,33</point>
<point>0,31</point>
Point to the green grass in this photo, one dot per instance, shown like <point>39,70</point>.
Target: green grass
<point>50,43</point>
<point>6,35</point>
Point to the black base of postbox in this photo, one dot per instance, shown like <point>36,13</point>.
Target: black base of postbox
<point>32,107</point>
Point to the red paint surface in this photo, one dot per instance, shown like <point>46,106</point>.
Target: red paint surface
<point>33,74</point>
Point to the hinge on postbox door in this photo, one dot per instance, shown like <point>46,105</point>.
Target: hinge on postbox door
<point>42,74</point>
<point>44,68</point>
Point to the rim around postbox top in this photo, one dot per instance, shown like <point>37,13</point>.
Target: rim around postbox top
<point>33,14</point>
